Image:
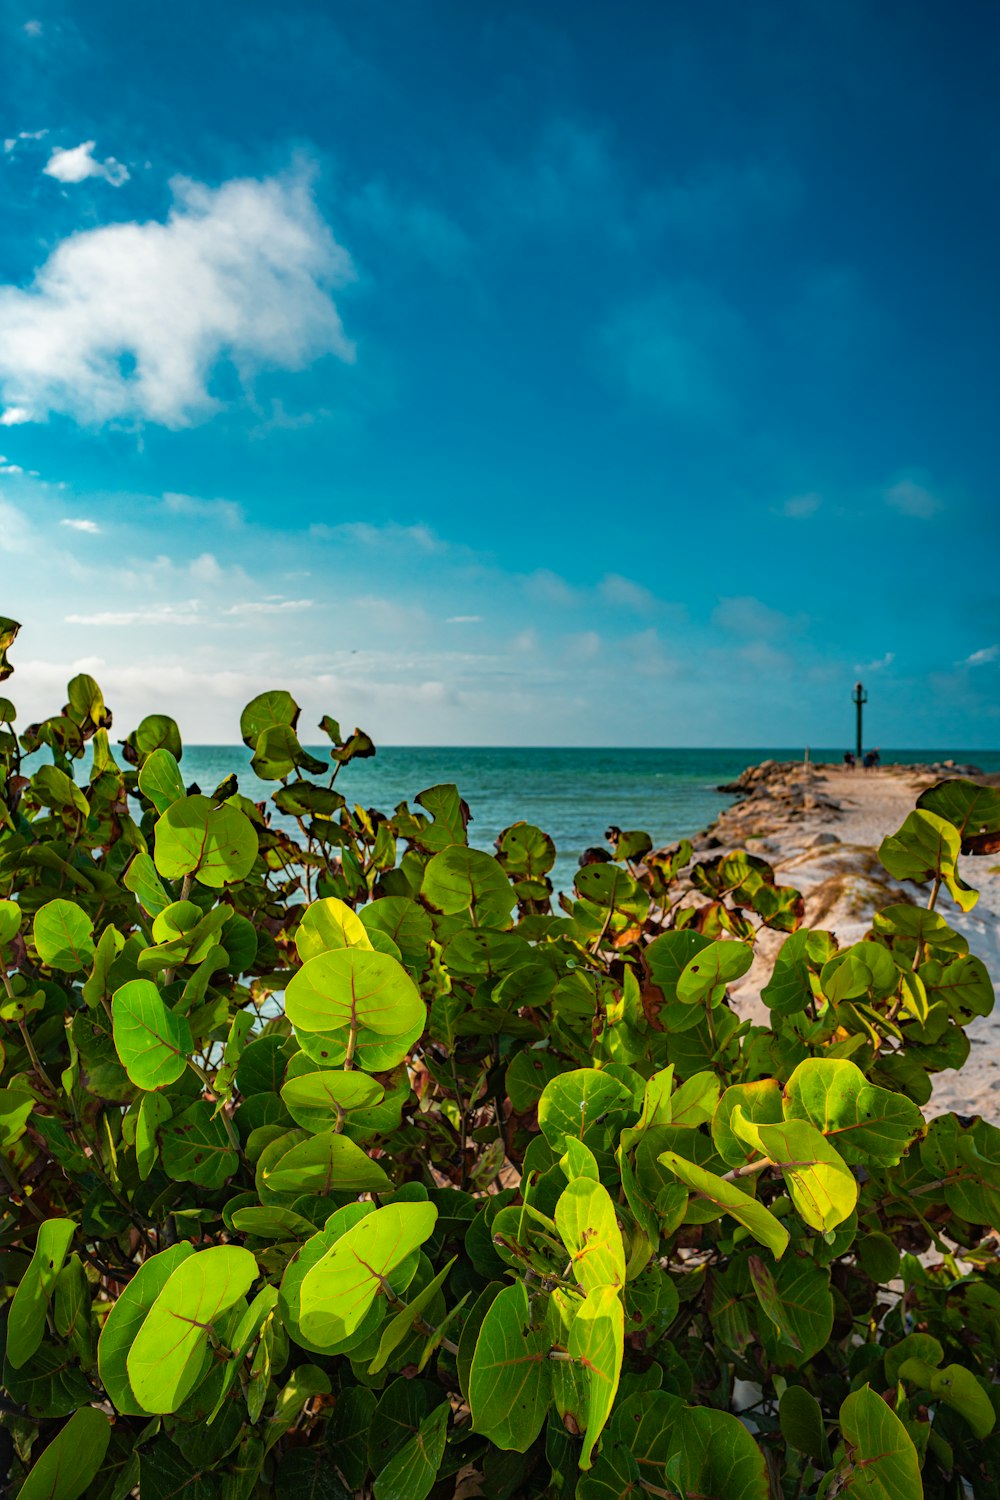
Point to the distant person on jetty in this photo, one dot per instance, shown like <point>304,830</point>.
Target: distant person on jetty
<point>871,760</point>
<point>849,761</point>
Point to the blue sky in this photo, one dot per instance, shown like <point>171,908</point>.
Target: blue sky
<point>525,374</point>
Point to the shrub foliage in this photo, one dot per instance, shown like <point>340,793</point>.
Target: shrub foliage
<point>339,1163</point>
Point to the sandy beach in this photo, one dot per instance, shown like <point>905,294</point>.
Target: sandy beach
<point>820,827</point>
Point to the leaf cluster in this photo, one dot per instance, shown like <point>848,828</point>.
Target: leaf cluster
<point>343,1158</point>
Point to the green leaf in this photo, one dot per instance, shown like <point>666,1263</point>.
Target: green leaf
<point>881,1462</point>
<point>326,1164</point>
<point>820,1183</point>
<point>160,780</point>
<point>10,921</point>
<point>327,925</point>
<point>597,1340</point>
<point>339,1289</point>
<point>927,848</point>
<point>195,1147</point>
<point>64,936</point>
<point>323,1099</point>
<point>352,993</point>
<point>758,1102</point>
<point>573,1103</point>
<point>731,1200</point>
<point>266,711</point>
<point>170,1352</point>
<point>126,1317</point>
<point>16,1108</point>
<point>152,1042</point>
<point>801,1418</point>
<point>715,1458</point>
<point>142,879</point>
<point>973,809</point>
<point>588,1227</point>
<point>695,1102</point>
<point>459,879</point>
<point>26,1318</point>
<point>510,1384</point>
<point>72,1459</point>
<point>797,1300</point>
<point>864,1122</point>
<point>956,1387</point>
<point>708,972</point>
<point>218,845</point>
<point>412,1472</point>
<point>399,1328</point>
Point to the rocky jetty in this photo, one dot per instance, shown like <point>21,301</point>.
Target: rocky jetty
<point>820,827</point>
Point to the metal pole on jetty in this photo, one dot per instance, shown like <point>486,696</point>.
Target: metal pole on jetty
<point>860,698</point>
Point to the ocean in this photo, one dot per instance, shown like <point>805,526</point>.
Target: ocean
<point>574,795</point>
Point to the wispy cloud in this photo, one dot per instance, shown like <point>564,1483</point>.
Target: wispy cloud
<point>878,665</point>
<point>90,527</point>
<point>799,507</point>
<point>14,416</point>
<point>191,506</point>
<point>912,499</point>
<point>128,321</point>
<point>463,619</point>
<point>77,163</point>
<point>746,616</point>
<point>187,613</point>
<point>982,657</point>
<point>624,593</point>
<point>12,142</point>
<point>268,606</point>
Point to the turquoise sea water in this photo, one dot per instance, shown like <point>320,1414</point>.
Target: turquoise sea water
<point>574,795</point>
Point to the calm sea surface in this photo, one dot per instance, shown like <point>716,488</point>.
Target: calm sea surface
<point>574,795</point>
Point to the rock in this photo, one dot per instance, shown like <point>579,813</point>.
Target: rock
<point>823,838</point>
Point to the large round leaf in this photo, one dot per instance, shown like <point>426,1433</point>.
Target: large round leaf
<point>171,1353</point>
<point>70,1462</point>
<point>268,711</point>
<point>510,1383</point>
<point>151,1041</point>
<point>126,1317</point>
<point>460,879</point>
<point>64,936</point>
<point>338,1291</point>
<point>881,1462</point>
<point>714,1457</point>
<point>318,1100</point>
<point>325,1164</point>
<point>218,845</point>
<point>864,1122</point>
<point>327,925</point>
<point>361,1001</point>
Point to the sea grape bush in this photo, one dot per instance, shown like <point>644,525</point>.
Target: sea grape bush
<point>338,1163</point>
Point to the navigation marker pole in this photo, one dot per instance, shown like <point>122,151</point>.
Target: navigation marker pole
<point>860,698</point>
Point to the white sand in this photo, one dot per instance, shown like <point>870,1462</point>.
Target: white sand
<point>844,884</point>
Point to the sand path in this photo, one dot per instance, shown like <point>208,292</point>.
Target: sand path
<point>821,828</point>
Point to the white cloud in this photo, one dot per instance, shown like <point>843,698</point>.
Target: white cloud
<point>879,665</point>
<point>912,499</point>
<point>32,28</point>
<point>268,606</point>
<point>463,619</point>
<point>90,527</point>
<point>13,416</point>
<point>128,321</point>
<point>12,142</point>
<point>798,507</point>
<point>747,616</point>
<point>225,511</point>
<point>11,469</point>
<point>187,613</point>
<point>77,163</point>
<point>623,592</point>
<point>981,658</point>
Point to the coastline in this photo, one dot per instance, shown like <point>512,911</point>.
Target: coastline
<point>820,827</point>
